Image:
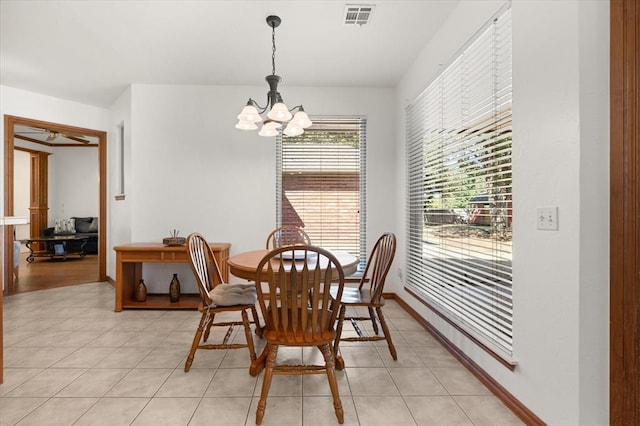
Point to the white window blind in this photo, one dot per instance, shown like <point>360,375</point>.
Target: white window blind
<point>321,183</point>
<point>459,185</point>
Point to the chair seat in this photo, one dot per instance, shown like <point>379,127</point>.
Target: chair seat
<point>215,297</point>
<point>355,297</point>
<point>309,336</point>
<point>233,294</point>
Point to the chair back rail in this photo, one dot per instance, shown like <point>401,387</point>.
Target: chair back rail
<point>287,235</point>
<point>379,264</point>
<point>300,304</point>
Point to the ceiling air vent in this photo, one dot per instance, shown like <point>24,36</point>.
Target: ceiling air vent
<point>357,14</point>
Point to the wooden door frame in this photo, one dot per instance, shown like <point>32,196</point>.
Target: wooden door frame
<point>39,188</point>
<point>9,122</point>
<point>624,237</point>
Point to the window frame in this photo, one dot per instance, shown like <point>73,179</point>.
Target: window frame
<point>327,121</point>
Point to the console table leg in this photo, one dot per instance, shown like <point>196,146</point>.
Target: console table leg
<point>82,252</point>
<point>30,257</point>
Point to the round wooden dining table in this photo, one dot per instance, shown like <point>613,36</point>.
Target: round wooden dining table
<point>244,265</point>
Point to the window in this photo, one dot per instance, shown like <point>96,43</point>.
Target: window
<point>321,183</point>
<point>459,191</point>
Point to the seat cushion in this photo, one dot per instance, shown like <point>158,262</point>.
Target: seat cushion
<point>233,294</point>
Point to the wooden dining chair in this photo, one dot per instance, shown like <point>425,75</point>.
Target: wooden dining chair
<point>368,294</point>
<point>218,296</point>
<point>298,310</point>
<point>287,235</point>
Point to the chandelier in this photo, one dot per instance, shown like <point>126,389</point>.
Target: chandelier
<point>279,113</point>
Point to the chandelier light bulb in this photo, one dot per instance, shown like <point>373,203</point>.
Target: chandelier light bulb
<point>301,119</point>
<point>293,130</point>
<point>274,124</point>
<point>246,125</point>
<point>250,113</point>
<point>268,130</point>
<point>279,112</point>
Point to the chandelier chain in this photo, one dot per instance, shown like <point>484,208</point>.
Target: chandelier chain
<point>273,50</point>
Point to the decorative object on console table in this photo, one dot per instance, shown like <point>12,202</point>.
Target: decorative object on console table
<point>174,240</point>
<point>174,289</point>
<point>141,292</point>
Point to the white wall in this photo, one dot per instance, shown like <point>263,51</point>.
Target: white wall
<point>74,176</point>
<point>119,211</point>
<point>21,190</point>
<point>560,143</point>
<point>226,190</point>
<point>593,30</point>
<point>32,105</point>
<point>193,171</point>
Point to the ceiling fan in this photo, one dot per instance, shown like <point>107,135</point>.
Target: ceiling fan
<point>53,135</point>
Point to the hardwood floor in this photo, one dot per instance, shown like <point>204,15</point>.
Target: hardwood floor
<point>46,273</point>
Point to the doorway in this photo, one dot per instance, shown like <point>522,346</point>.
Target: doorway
<point>10,123</point>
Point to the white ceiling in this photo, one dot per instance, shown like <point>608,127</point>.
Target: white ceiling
<point>89,51</point>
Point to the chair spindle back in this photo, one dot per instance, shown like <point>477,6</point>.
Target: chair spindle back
<point>378,265</point>
<point>204,265</point>
<point>300,307</point>
<point>287,235</point>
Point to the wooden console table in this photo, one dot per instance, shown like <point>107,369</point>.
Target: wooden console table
<point>129,260</point>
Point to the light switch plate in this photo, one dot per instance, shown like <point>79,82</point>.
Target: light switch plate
<point>547,218</point>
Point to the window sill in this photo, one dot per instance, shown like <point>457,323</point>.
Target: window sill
<point>508,363</point>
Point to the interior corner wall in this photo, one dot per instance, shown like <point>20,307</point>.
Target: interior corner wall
<point>119,211</point>
<point>560,124</point>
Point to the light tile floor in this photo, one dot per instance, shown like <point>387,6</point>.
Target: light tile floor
<point>70,360</point>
